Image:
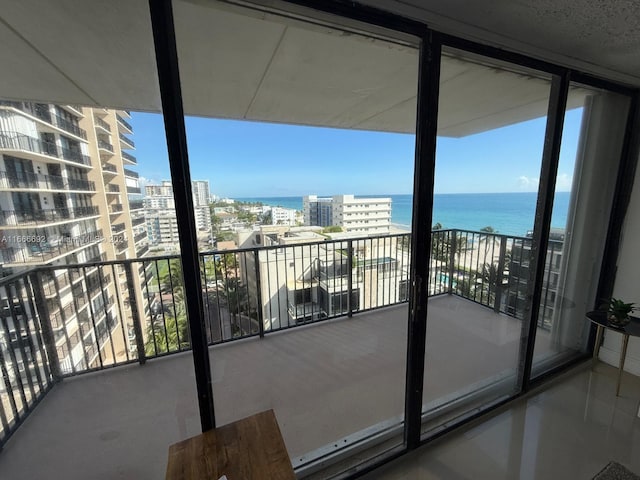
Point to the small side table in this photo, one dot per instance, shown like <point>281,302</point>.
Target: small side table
<point>632,329</point>
<point>249,449</point>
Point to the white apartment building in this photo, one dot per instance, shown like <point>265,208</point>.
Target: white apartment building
<point>284,216</point>
<point>162,227</point>
<point>307,278</point>
<point>354,214</point>
<point>160,214</point>
<point>201,193</point>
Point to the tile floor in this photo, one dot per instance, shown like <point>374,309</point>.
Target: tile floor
<point>570,430</point>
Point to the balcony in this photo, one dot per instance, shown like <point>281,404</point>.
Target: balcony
<point>105,146</point>
<point>136,204</point>
<point>126,141</point>
<point>113,188</point>
<point>131,173</point>
<point>20,253</point>
<point>133,190</point>
<point>309,391</point>
<point>118,227</point>
<point>137,221</point>
<point>19,142</point>
<point>129,158</point>
<point>115,208</point>
<point>126,125</point>
<point>108,168</point>
<point>140,236</point>
<point>42,112</point>
<point>22,218</point>
<point>102,124</point>
<point>37,181</point>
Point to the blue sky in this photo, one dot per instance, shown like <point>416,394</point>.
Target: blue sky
<point>250,159</point>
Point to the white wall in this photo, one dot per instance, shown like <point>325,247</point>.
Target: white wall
<point>627,284</point>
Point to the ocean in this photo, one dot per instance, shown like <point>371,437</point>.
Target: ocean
<point>507,213</point>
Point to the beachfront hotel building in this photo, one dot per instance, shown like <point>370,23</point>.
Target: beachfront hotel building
<point>364,386</point>
<point>365,215</point>
<point>69,195</point>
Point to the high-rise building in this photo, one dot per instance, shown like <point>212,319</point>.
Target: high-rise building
<point>160,213</point>
<point>201,193</point>
<point>68,196</point>
<point>361,214</point>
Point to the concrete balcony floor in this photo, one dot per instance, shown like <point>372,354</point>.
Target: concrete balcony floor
<point>325,381</point>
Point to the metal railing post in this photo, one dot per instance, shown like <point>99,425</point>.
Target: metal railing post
<point>135,314</point>
<point>500,273</point>
<point>349,277</point>
<point>256,258</point>
<point>452,258</point>
<point>35,278</point>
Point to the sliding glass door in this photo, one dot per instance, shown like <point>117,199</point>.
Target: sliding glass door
<point>491,133</point>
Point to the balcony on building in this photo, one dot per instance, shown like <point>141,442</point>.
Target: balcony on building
<point>126,126</point>
<point>26,181</point>
<point>105,148</point>
<point>113,189</point>
<point>102,125</point>
<point>15,219</point>
<point>131,174</point>
<point>49,120</point>
<point>109,169</point>
<point>136,204</point>
<point>35,149</point>
<point>126,142</point>
<point>128,158</point>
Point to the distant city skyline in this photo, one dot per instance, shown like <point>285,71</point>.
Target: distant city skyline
<point>251,159</point>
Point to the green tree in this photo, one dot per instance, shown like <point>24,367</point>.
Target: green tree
<point>168,332</point>
<point>332,229</point>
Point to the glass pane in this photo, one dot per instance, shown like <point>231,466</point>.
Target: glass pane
<point>78,304</point>
<point>306,132</point>
<point>590,153</point>
<point>491,126</point>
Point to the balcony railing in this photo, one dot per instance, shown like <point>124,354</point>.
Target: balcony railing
<point>68,126</point>
<point>118,227</point>
<point>106,167</point>
<point>116,208</point>
<point>130,173</point>
<point>136,204</point>
<point>134,190</point>
<point>19,218</point>
<point>113,188</point>
<point>129,157</point>
<point>36,246</point>
<point>19,141</point>
<point>101,123</point>
<point>126,140</point>
<point>25,180</point>
<point>42,112</point>
<point>126,124</point>
<point>139,236</point>
<point>246,292</point>
<point>137,221</point>
<point>105,145</point>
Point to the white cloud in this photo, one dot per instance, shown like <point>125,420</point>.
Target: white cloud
<point>563,182</point>
<point>527,183</point>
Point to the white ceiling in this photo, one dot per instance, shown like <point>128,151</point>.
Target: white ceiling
<point>253,66</point>
<point>601,37</point>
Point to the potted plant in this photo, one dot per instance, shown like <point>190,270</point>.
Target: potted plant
<point>618,312</point>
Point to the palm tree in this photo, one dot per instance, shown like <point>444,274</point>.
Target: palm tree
<point>168,332</point>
